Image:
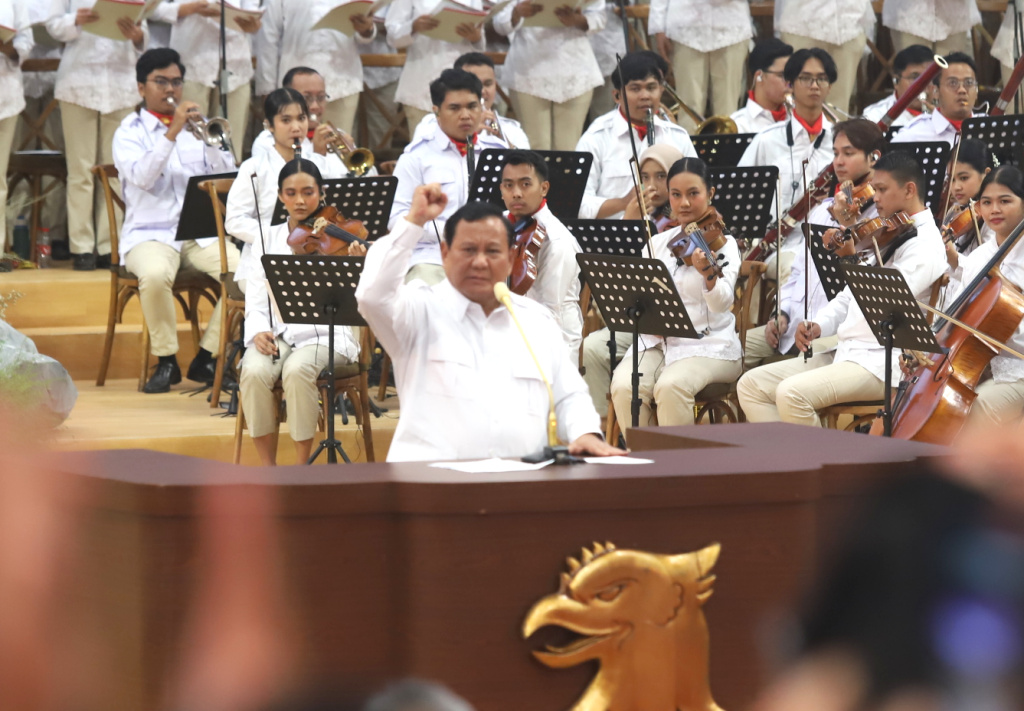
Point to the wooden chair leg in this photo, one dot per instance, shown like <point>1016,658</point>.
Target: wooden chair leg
<point>193,319</point>
<point>145,354</point>
<point>108,342</point>
<point>218,373</point>
<point>239,428</point>
<point>385,372</point>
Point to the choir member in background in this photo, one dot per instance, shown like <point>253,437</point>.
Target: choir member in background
<point>944,26</point>
<point>14,52</point>
<point>766,99</point>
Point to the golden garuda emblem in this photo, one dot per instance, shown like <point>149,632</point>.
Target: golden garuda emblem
<point>640,615</point>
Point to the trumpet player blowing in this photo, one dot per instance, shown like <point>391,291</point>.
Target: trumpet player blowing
<point>155,154</point>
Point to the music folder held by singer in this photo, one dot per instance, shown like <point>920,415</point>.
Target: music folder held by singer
<point>469,386</point>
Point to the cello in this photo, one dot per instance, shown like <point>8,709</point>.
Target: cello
<point>932,405</point>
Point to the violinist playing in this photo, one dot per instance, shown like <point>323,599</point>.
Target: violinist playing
<point>296,353</point>
<point>962,229</point>
<point>1001,399</point>
<point>676,369</point>
<point>796,390</point>
<point>856,146</point>
<point>544,255</point>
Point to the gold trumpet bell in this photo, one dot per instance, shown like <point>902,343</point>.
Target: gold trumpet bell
<point>717,124</point>
<point>359,161</point>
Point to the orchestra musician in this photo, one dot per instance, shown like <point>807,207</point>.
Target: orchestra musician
<point>638,82</point>
<point>425,57</point>
<point>795,390</point>
<point>94,87</point>
<point>765,105</point>
<point>806,135</point>
<point>971,164</point>
<point>1001,399</point>
<point>155,156</point>
<point>289,40</point>
<point>908,64</point>
<point>524,188</point>
<point>551,71</point>
<point>468,384</point>
<point>856,146</point>
<point>655,163</point>
<point>707,43</point>
<point>957,94</point>
<point>674,370</point>
<point>442,156</point>
<point>14,51</point>
<point>249,207</point>
<point>295,353</point>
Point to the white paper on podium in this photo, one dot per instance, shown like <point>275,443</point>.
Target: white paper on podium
<point>491,466</point>
<point>110,11</point>
<point>617,460</point>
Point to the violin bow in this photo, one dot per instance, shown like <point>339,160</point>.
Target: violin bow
<point>809,353</point>
<point>636,158</point>
<point>263,245</point>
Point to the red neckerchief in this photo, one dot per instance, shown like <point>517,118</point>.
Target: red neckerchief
<point>165,119</point>
<point>641,127</point>
<point>461,145</point>
<point>309,133</point>
<point>510,216</point>
<point>779,115</point>
<point>954,124</point>
<point>913,112</point>
<point>812,130</point>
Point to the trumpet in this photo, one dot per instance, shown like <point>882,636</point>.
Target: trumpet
<point>710,125</point>
<point>494,127</point>
<point>357,160</point>
<point>212,132</point>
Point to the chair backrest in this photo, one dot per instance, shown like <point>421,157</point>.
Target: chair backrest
<point>218,190</point>
<point>751,272</point>
<point>106,174</point>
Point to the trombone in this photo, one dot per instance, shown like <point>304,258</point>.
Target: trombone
<point>212,132</point>
<point>357,160</point>
<point>710,125</point>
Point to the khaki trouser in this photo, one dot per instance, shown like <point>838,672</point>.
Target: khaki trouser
<point>794,390</point>
<point>238,109</point>
<point>756,348</point>
<point>298,369</point>
<point>847,57</point>
<point>342,112</point>
<point>552,126</point>
<point>156,265</point>
<point>89,139</point>
<point>998,404</point>
<point>597,364</point>
<point>7,127</point>
<point>673,388</point>
<point>959,42</point>
<point>602,100</point>
<point>720,73</point>
<point>377,124</point>
<point>413,116</point>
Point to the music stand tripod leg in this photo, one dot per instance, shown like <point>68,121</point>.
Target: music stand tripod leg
<point>887,412</point>
<point>635,312</point>
<point>331,444</point>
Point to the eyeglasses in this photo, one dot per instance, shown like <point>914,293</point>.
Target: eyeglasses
<point>316,98</point>
<point>780,75</point>
<point>954,84</point>
<point>912,77</point>
<point>808,80</point>
<point>164,83</point>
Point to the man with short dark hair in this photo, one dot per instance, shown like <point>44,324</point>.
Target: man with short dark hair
<point>766,99</point>
<point>957,94</point>
<point>441,155</point>
<point>907,66</point>
<point>468,383</point>
<point>155,156</point>
<point>796,390</point>
<point>638,82</point>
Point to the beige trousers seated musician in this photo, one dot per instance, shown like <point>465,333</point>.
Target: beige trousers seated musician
<point>997,404</point>
<point>156,264</point>
<point>756,348</point>
<point>552,126</point>
<point>413,116</point>
<point>238,109</point>
<point>7,127</point>
<point>89,141</point>
<point>342,112</point>
<point>298,369</point>
<point>721,73</point>
<point>794,390</point>
<point>674,388</point>
<point>847,57</point>
<point>597,365</point>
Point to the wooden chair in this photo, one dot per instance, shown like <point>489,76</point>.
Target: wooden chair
<point>188,288</point>
<point>349,379</point>
<point>232,312</point>
<point>33,168</point>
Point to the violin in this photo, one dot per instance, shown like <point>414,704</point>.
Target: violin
<point>327,232</point>
<point>706,234</point>
<point>959,221</point>
<point>530,237</point>
<point>878,231</point>
<point>858,198</point>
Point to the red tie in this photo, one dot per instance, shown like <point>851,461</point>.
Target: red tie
<point>461,145</point>
<point>165,119</point>
<point>779,115</point>
<point>641,127</point>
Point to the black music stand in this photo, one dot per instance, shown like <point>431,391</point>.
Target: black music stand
<point>932,156</point>
<point>894,315</point>
<point>826,263</point>
<point>721,150</point>
<point>745,197</point>
<point>1004,136</point>
<point>637,295</point>
<point>320,291</point>
<point>367,199</point>
<point>197,218</point>
<point>567,172</point>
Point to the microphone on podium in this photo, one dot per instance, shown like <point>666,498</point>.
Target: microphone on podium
<point>554,450</point>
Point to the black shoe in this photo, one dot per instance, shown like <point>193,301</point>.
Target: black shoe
<point>164,376</point>
<point>103,261</point>
<point>61,253</point>
<point>202,369</point>
<point>84,262</point>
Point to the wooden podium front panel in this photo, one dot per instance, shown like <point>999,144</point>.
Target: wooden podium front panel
<point>401,570</point>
